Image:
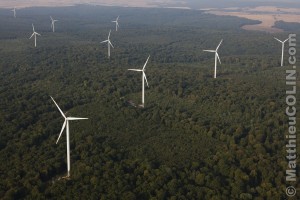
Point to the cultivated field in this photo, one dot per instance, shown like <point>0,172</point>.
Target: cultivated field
<point>268,15</point>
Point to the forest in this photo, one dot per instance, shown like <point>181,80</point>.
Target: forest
<point>197,137</point>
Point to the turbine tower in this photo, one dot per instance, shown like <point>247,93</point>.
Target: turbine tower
<point>216,57</point>
<point>143,80</point>
<point>66,125</point>
<point>14,10</point>
<point>108,44</point>
<point>282,42</point>
<point>117,23</point>
<point>52,24</point>
<point>34,34</point>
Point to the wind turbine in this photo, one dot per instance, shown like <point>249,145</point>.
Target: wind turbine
<point>108,44</point>
<point>14,10</point>
<point>282,42</point>
<point>216,57</point>
<point>143,80</point>
<point>117,23</point>
<point>66,125</point>
<point>34,34</point>
<point>52,24</point>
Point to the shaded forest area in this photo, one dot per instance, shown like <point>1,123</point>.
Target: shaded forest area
<point>196,138</point>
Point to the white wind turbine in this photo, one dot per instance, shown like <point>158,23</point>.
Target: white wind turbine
<point>34,34</point>
<point>108,44</point>
<point>282,42</point>
<point>66,125</point>
<point>216,57</point>
<point>117,23</point>
<point>14,10</point>
<point>52,24</point>
<point>143,80</point>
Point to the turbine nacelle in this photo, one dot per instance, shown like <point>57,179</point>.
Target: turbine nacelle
<point>144,74</point>
<point>143,80</point>
<point>66,126</point>
<point>216,54</point>
<point>282,48</point>
<point>142,70</point>
<point>34,34</point>
<point>280,40</point>
<point>66,119</point>
<point>117,23</point>
<point>217,57</point>
<point>14,10</point>
<point>53,20</point>
<point>52,23</point>
<point>108,43</point>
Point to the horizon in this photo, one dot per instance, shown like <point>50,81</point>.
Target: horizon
<point>192,4</point>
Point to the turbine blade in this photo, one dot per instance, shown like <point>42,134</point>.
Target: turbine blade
<point>212,51</point>
<point>104,41</point>
<point>32,27</point>
<point>219,45</point>
<point>51,18</point>
<point>58,108</point>
<point>62,129</point>
<point>37,34</point>
<point>146,63</point>
<point>277,39</point>
<point>75,118</point>
<point>137,70</point>
<point>218,57</point>
<point>146,79</point>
